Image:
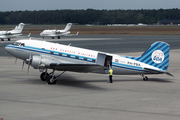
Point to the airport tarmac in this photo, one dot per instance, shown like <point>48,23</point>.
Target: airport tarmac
<point>79,96</point>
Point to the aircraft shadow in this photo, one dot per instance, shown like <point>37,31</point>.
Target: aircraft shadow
<point>160,80</point>
<point>149,80</point>
<point>73,82</point>
<point>68,81</point>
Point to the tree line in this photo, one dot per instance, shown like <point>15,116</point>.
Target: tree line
<point>89,16</point>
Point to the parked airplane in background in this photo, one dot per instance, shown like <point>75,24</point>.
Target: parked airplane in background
<point>12,33</point>
<point>44,55</point>
<point>57,33</point>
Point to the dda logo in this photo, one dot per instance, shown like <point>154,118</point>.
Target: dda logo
<point>157,56</point>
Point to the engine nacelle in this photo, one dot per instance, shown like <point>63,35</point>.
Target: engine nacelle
<point>42,62</point>
<point>36,61</point>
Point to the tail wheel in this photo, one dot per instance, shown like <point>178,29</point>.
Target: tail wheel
<point>145,78</point>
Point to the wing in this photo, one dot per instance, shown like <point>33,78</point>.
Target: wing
<point>77,67</point>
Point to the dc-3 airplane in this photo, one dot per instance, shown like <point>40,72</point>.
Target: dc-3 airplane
<point>58,33</point>
<point>44,55</point>
<point>12,33</point>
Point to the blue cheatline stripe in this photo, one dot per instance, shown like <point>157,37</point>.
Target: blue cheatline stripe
<point>39,50</point>
<point>114,64</point>
<point>129,68</point>
<point>48,52</point>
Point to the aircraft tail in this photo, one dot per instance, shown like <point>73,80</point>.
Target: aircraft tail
<point>19,28</point>
<point>157,55</point>
<point>68,26</point>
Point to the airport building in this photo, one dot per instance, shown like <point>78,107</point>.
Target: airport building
<point>168,22</point>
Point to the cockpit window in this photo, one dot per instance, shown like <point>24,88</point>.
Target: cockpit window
<point>17,43</point>
<point>22,44</point>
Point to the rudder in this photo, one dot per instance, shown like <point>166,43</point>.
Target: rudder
<point>68,26</point>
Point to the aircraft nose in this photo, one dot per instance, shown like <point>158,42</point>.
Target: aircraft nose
<point>7,49</point>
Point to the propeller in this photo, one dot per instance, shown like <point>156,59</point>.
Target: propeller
<point>29,62</point>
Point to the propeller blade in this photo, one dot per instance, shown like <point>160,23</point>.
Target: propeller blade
<point>28,68</point>
<point>23,65</point>
<point>30,57</point>
<point>16,61</point>
<point>30,60</point>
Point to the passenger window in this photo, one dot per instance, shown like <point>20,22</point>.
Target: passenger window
<point>51,52</point>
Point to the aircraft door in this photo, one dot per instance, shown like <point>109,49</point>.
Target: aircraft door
<point>101,59</point>
<point>108,61</point>
<point>104,60</point>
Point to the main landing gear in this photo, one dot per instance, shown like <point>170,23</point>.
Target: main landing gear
<point>50,78</point>
<point>145,78</point>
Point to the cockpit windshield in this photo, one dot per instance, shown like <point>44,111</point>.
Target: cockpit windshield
<point>18,44</point>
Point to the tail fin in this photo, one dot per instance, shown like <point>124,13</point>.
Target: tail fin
<point>157,55</point>
<point>68,26</point>
<point>19,28</point>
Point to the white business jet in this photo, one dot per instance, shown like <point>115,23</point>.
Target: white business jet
<point>44,55</point>
<point>57,33</point>
<point>12,33</point>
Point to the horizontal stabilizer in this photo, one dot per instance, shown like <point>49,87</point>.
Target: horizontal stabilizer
<point>167,73</point>
<point>158,71</point>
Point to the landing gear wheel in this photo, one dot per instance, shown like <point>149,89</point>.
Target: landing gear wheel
<point>51,81</point>
<point>44,76</point>
<point>145,78</point>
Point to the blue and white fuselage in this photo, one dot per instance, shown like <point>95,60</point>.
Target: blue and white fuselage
<point>46,55</point>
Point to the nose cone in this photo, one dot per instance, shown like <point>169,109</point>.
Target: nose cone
<point>9,49</point>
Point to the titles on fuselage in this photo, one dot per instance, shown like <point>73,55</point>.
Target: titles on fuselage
<point>74,52</point>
